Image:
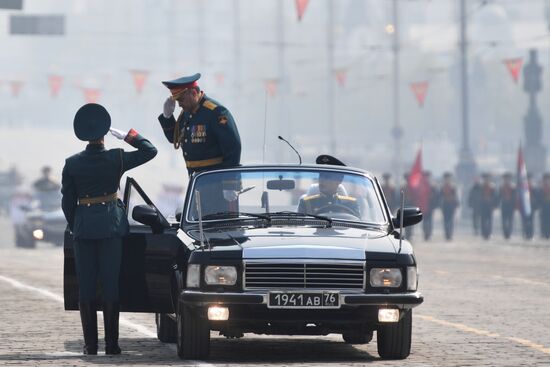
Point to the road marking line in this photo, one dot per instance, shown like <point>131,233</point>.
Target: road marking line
<point>122,321</point>
<point>472,330</point>
<point>521,280</point>
<point>441,272</point>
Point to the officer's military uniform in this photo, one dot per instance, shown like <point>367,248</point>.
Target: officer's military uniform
<point>449,203</point>
<point>208,136</point>
<point>432,202</point>
<point>97,218</point>
<point>507,196</point>
<point>314,204</point>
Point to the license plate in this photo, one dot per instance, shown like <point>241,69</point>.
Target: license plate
<point>303,300</point>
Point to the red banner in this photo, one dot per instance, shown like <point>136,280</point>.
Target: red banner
<point>55,82</point>
<point>418,187</point>
<point>271,87</point>
<point>301,6</point>
<point>16,86</point>
<point>220,78</point>
<point>91,95</point>
<point>514,67</point>
<point>420,89</point>
<point>341,76</point>
<point>139,79</point>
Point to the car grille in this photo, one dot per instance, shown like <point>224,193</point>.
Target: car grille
<point>305,275</point>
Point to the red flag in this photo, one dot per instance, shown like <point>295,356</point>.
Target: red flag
<point>341,76</point>
<point>139,78</point>
<point>418,186</point>
<point>301,6</point>
<point>514,67</point>
<point>420,89</point>
<point>55,82</point>
<point>524,194</point>
<point>16,86</point>
<point>271,87</point>
<point>91,95</point>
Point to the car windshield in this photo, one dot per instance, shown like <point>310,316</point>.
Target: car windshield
<point>266,194</point>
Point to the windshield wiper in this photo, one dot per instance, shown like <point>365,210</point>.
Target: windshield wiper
<point>233,215</point>
<point>297,214</point>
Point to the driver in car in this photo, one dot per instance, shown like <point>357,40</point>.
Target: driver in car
<point>328,199</point>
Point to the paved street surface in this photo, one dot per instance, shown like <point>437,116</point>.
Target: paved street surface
<point>486,304</point>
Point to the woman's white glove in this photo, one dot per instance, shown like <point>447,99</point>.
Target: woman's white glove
<point>169,107</point>
<point>119,134</point>
<point>230,195</point>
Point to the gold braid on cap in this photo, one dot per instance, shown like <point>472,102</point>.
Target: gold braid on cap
<point>176,139</point>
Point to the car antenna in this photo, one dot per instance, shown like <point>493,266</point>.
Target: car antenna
<point>290,145</point>
<point>199,212</point>
<point>401,219</point>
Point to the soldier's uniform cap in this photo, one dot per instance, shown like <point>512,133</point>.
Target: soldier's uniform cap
<point>91,122</point>
<point>328,159</point>
<point>447,174</point>
<point>177,86</point>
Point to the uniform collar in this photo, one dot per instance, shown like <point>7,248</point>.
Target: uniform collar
<point>95,147</point>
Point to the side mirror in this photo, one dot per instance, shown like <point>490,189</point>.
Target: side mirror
<point>411,216</point>
<point>147,215</point>
<point>281,184</point>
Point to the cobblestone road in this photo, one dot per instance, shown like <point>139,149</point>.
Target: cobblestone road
<point>486,304</point>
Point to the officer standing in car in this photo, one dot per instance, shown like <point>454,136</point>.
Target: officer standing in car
<point>205,130</point>
<point>97,217</point>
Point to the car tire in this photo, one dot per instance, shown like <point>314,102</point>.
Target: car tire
<point>167,328</point>
<point>193,334</point>
<point>394,340</point>
<point>357,338</point>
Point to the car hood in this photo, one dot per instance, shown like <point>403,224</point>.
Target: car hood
<point>304,243</point>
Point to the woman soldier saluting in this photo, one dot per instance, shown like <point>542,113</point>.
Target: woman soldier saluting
<point>97,217</point>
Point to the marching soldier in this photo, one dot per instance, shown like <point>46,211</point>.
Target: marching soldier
<point>474,200</point>
<point>390,192</point>
<point>46,182</point>
<point>97,217</point>
<point>432,202</point>
<point>545,206</point>
<point>527,217</point>
<point>507,196</point>
<point>488,202</point>
<point>205,130</point>
<point>449,203</point>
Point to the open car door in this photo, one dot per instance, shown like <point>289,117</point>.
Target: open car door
<point>150,256</point>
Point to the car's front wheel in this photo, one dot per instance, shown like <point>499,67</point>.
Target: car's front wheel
<point>394,340</point>
<point>167,331</point>
<point>193,334</point>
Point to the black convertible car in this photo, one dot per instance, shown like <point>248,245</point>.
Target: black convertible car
<point>282,249</point>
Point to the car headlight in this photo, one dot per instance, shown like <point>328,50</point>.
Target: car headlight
<point>222,275</point>
<point>412,278</point>
<point>193,275</point>
<point>385,277</point>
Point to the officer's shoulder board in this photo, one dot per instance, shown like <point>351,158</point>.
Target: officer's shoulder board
<point>210,105</point>
<point>311,197</point>
<point>346,198</point>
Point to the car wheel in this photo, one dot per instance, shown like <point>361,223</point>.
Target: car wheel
<point>193,334</point>
<point>167,331</point>
<point>394,340</point>
<point>357,338</point>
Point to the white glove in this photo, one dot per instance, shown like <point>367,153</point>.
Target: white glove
<point>119,134</point>
<point>230,195</point>
<point>169,107</point>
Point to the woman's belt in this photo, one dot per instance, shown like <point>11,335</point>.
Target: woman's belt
<point>98,199</point>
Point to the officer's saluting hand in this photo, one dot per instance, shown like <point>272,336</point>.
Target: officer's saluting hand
<point>97,217</point>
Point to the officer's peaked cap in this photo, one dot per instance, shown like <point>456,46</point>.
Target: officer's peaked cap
<point>91,122</point>
<point>182,82</point>
<point>328,159</point>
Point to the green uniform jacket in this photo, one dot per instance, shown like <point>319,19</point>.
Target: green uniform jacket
<point>209,137</point>
<point>313,203</point>
<point>96,172</point>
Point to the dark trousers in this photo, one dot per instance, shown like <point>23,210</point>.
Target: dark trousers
<point>427,225</point>
<point>448,221</point>
<point>476,220</point>
<point>98,260</point>
<point>527,226</point>
<point>486,222</point>
<point>545,221</point>
<point>507,216</point>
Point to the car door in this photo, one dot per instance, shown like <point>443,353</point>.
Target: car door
<point>149,259</point>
